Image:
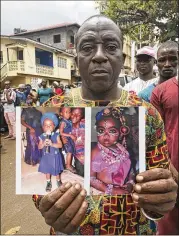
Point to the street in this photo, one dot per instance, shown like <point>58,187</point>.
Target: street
<point>17,210</point>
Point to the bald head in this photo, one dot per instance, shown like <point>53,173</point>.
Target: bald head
<point>168,45</point>
<point>97,21</point>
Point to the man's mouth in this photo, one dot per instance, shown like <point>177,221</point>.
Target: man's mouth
<point>99,72</point>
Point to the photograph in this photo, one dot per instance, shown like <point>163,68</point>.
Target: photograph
<point>114,150</point>
<point>51,141</point>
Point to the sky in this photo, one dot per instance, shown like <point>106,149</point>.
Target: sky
<point>36,14</point>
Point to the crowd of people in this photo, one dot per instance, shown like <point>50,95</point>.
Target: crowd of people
<point>25,95</point>
<point>154,197</point>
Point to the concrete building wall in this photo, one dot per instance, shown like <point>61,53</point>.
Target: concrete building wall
<point>47,36</point>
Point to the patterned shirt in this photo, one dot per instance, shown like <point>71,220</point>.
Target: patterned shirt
<point>118,215</point>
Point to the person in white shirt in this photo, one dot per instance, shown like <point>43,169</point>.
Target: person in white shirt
<point>145,60</point>
<point>8,100</point>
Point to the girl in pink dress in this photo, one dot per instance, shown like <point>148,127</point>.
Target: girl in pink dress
<point>110,161</point>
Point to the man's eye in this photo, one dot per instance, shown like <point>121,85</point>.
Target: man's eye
<point>161,60</point>
<point>111,47</point>
<point>87,48</point>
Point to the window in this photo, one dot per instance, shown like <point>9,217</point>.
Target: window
<point>38,39</point>
<point>1,57</point>
<point>20,55</point>
<point>57,38</point>
<point>72,39</point>
<point>62,62</point>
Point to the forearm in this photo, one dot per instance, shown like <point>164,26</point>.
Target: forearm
<point>57,145</point>
<point>25,124</point>
<point>98,184</point>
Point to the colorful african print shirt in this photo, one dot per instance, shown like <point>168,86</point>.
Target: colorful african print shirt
<point>118,215</point>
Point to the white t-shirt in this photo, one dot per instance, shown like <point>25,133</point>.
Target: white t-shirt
<point>9,107</point>
<point>138,84</point>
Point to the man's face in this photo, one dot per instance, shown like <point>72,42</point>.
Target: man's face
<point>99,54</point>
<point>107,132</point>
<point>7,86</point>
<point>167,62</point>
<point>144,64</point>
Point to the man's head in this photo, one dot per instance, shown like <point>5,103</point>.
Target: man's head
<point>145,59</point>
<point>55,84</point>
<point>167,60</point>
<point>7,84</point>
<point>21,87</point>
<point>99,53</point>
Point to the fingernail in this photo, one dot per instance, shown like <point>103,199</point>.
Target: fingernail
<point>135,197</point>
<point>84,204</point>
<point>140,178</point>
<point>77,186</point>
<point>138,187</point>
<point>67,185</point>
<point>83,193</point>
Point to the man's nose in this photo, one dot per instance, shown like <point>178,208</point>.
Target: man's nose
<point>99,56</point>
<point>167,63</point>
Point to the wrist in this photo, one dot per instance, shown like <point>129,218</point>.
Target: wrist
<point>151,215</point>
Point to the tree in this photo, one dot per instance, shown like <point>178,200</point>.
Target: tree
<point>144,20</point>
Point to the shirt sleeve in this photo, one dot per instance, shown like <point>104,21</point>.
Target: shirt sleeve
<point>156,147</point>
<point>156,101</point>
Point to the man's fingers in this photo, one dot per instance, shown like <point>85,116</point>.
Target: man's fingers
<point>161,186</point>
<point>154,198</point>
<point>160,208</point>
<point>153,174</point>
<point>66,217</point>
<point>62,204</point>
<point>77,220</point>
<point>49,200</point>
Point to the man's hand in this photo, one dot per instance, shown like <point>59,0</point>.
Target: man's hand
<point>64,209</point>
<point>155,191</point>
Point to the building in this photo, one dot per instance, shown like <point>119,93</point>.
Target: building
<point>60,36</point>
<point>127,51</point>
<point>27,61</point>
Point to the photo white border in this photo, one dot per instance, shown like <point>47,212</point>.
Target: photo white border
<point>87,162</point>
<point>142,138</point>
<point>18,150</point>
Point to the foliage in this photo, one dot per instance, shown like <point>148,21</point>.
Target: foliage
<point>155,19</point>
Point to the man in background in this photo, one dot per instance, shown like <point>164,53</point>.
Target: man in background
<point>165,99</point>
<point>8,100</point>
<point>145,60</point>
<point>169,71</point>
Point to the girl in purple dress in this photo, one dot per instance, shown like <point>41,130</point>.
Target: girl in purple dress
<point>65,129</point>
<point>51,162</point>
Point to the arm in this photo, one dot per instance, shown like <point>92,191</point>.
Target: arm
<point>156,101</point>
<point>94,181</point>
<point>61,129</point>
<point>41,144</point>
<point>155,190</point>
<point>58,144</point>
<point>10,98</point>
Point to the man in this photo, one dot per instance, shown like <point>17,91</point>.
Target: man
<point>147,92</point>
<point>57,90</point>
<point>8,100</point>
<point>165,99</point>
<point>145,60</point>
<point>20,93</point>
<point>99,58</point>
